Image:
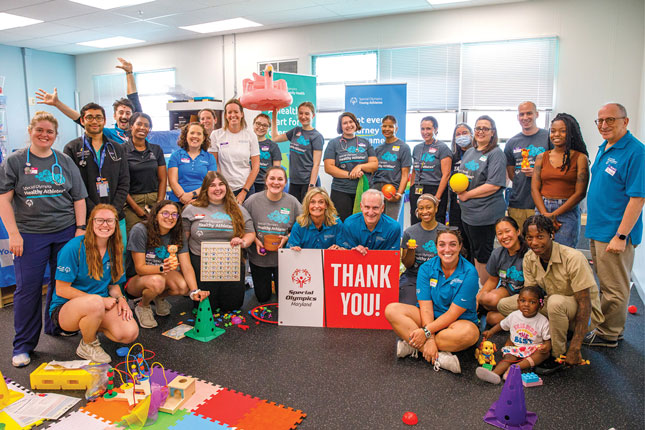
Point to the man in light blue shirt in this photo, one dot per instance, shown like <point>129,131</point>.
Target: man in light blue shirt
<point>370,229</point>
<point>614,218</point>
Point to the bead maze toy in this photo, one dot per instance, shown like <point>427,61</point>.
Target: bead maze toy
<point>59,379</point>
<point>563,357</point>
<point>265,313</point>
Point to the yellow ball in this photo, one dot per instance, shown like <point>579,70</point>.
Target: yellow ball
<point>459,182</point>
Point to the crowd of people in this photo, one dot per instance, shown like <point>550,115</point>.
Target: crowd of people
<point>99,215</point>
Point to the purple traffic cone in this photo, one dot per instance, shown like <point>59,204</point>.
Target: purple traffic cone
<point>509,411</point>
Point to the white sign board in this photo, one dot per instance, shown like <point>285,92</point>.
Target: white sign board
<point>301,295</point>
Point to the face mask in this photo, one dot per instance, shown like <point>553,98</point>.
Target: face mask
<point>463,140</point>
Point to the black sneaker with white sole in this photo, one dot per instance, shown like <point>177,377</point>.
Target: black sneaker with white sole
<point>594,339</point>
<point>549,366</point>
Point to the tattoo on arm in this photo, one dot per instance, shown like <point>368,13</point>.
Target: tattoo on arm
<point>582,316</point>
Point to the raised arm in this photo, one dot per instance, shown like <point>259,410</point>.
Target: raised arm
<point>51,99</point>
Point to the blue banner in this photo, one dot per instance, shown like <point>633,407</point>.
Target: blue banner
<point>371,102</point>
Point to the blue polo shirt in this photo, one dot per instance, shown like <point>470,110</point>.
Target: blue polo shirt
<point>72,267</point>
<point>385,236</point>
<point>311,237</point>
<point>190,173</point>
<point>460,288</point>
<point>617,175</point>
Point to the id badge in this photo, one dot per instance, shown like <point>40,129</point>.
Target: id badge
<point>418,190</point>
<point>102,187</point>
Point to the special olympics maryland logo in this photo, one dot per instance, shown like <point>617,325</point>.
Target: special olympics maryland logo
<point>301,277</point>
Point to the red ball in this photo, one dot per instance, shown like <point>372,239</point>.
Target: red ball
<point>410,418</point>
<point>632,309</point>
<point>388,191</point>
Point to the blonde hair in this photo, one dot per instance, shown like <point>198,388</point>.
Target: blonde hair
<point>239,104</point>
<point>331,215</point>
<point>42,115</point>
<point>114,247</point>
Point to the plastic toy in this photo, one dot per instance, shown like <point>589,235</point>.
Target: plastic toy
<point>486,353</point>
<point>530,379</point>
<point>509,411</point>
<point>459,182</point>
<point>632,309</point>
<point>563,357</point>
<point>525,159</point>
<point>172,259</point>
<point>410,418</point>
<point>7,396</point>
<point>388,191</point>
<point>263,313</point>
<point>488,366</point>
<point>181,389</point>
<point>262,93</point>
<point>412,243</point>
<point>205,329</point>
<point>59,379</point>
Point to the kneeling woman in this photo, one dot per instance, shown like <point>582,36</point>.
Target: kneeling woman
<point>216,216</point>
<point>446,318</point>
<point>152,272</point>
<point>318,226</point>
<point>88,297</point>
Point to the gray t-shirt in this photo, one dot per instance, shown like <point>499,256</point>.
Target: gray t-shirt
<point>347,154</point>
<point>489,168</point>
<point>43,195</point>
<point>392,157</point>
<point>520,197</point>
<point>269,152</point>
<point>508,268</point>
<point>137,242</point>
<point>301,153</point>
<point>426,245</point>
<point>270,217</point>
<point>427,162</point>
<point>210,224</point>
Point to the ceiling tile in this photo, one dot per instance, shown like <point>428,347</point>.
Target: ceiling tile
<point>96,19</point>
<point>53,10</point>
<point>300,16</point>
<point>133,28</point>
<point>80,36</point>
<point>44,29</point>
<point>158,8</point>
<point>6,5</point>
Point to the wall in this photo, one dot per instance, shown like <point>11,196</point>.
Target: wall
<point>26,71</point>
<point>600,59</point>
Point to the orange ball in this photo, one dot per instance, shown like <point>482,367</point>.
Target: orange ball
<point>388,191</point>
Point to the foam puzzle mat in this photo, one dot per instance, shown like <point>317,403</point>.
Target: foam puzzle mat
<point>211,407</point>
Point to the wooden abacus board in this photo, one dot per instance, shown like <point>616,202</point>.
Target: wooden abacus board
<point>220,262</point>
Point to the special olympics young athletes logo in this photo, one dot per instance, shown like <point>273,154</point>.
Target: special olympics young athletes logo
<point>301,277</point>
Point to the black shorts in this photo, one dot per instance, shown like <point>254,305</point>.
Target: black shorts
<point>482,239</point>
<point>54,318</point>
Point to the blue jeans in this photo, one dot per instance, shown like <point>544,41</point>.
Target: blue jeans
<point>569,231</point>
<point>38,250</point>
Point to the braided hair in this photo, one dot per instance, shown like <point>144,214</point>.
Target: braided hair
<point>540,222</point>
<point>573,140</point>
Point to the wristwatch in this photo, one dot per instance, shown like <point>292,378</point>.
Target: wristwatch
<point>311,185</point>
<point>621,236</point>
<point>194,194</point>
<point>427,332</point>
<point>81,227</point>
<point>161,269</point>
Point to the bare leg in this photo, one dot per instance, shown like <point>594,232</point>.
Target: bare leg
<point>458,336</point>
<point>83,313</point>
<point>403,318</point>
<point>117,329</point>
<point>481,271</point>
<point>147,287</point>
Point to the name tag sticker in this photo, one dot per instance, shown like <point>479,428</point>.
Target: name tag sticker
<point>265,148</point>
<point>199,216</point>
<point>432,150</point>
<point>516,150</point>
<point>185,160</point>
<point>396,148</point>
<point>611,170</point>
<point>483,158</point>
<point>433,283</point>
<point>223,143</point>
<point>502,273</point>
<point>285,211</point>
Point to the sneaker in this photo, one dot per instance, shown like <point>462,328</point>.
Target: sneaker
<point>162,307</point>
<point>21,360</point>
<point>621,336</point>
<point>68,333</point>
<point>404,349</point>
<point>488,375</point>
<point>92,351</point>
<point>594,339</point>
<point>449,362</point>
<point>549,366</point>
<point>145,317</point>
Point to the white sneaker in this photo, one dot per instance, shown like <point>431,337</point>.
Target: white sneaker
<point>449,362</point>
<point>488,375</point>
<point>145,317</point>
<point>404,349</point>
<point>162,307</point>
<point>21,360</point>
<point>93,351</point>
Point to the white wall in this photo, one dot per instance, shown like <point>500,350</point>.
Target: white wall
<point>600,58</point>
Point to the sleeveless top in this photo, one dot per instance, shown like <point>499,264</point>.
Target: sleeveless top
<point>555,183</point>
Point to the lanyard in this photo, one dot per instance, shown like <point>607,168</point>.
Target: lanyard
<point>99,160</point>
<point>421,158</point>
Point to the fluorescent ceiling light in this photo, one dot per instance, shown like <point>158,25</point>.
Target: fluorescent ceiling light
<point>440,2</point>
<point>225,25</point>
<point>110,4</point>
<point>8,20</point>
<point>111,42</point>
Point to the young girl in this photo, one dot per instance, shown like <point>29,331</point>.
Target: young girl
<point>305,151</point>
<point>529,342</point>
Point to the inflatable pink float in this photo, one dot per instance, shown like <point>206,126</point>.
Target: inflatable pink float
<point>262,93</point>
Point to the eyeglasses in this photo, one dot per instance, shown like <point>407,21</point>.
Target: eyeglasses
<point>260,125</point>
<point>90,118</point>
<point>609,121</point>
<point>109,221</point>
<point>173,215</point>
<point>483,129</point>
